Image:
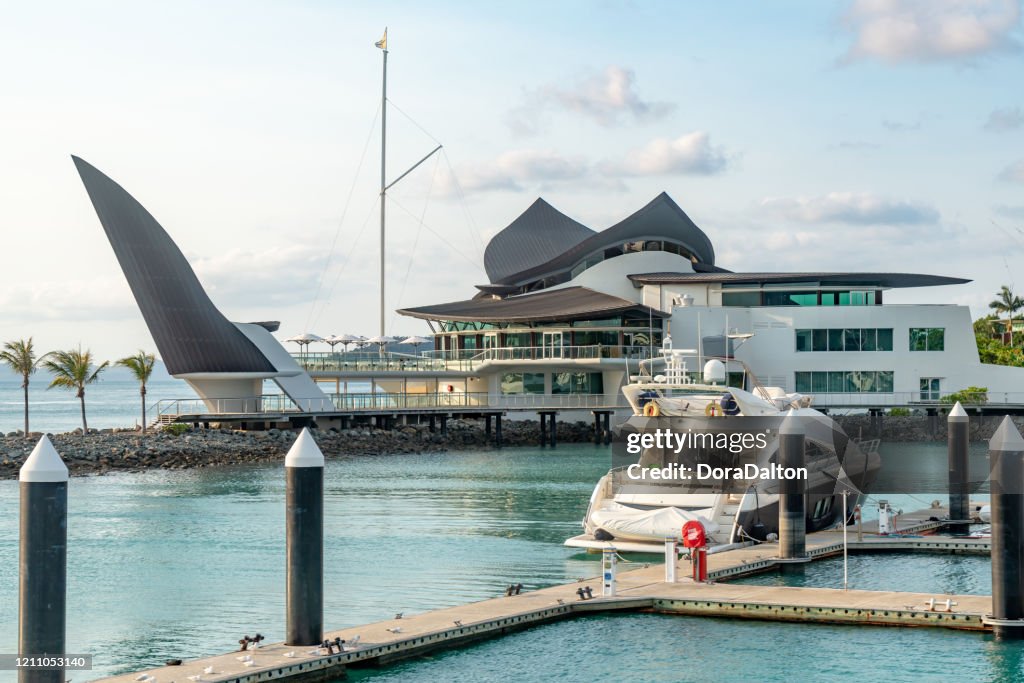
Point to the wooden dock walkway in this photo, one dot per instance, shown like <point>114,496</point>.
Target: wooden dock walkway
<point>639,588</point>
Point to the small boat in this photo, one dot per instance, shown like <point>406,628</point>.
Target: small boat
<point>639,516</point>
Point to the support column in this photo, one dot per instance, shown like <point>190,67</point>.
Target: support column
<point>607,428</point>
<point>553,430</point>
<point>444,425</point>
<point>597,427</point>
<point>433,423</point>
<point>497,430</point>
<point>304,529</point>
<point>792,498</point>
<point>487,427</point>
<point>1006,458</point>
<point>42,568</point>
<point>958,426</point>
<point>543,429</point>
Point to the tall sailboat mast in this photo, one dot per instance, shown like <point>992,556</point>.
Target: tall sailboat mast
<point>383,45</point>
<point>384,185</point>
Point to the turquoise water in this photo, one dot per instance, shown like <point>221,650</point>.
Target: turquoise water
<point>107,404</point>
<point>181,564</point>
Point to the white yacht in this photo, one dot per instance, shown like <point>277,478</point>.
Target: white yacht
<point>639,514</point>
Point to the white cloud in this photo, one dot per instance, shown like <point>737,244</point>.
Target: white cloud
<point>1010,211</point>
<point>515,171</point>
<point>689,154</point>
<point>896,31</point>
<point>279,275</point>
<point>852,208</point>
<point>1002,120</point>
<point>1013,173</point>
<point>608,98</point>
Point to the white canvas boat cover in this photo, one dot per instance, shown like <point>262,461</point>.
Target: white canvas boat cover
<point>654,525</point>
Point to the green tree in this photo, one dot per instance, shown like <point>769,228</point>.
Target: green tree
<point>74,370</point>
<point>141,365</point>
<point>1007,304</point>
<point>21,358</point>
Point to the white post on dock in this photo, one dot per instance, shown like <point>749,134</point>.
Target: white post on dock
<point>671,558</point>
<point>1006,459</point>
<point>608,569</point>
<point>304,528</point>
<point>42,568</point>
<point>958,430</point>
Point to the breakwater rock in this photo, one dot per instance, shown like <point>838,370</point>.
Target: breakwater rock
<point>129,451</point>
<point>917,427</point>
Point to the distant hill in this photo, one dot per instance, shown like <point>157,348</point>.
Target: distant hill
<point>111,374</point>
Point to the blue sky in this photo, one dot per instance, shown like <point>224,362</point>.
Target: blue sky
<point>882,135</point>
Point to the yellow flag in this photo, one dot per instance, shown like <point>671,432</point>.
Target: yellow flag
<point>383,42</point>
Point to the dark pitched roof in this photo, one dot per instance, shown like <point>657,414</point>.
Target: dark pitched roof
<point>894,280</point>
<point>541,230</point>
<point>569,303</point>
<point>661,218</point>
<point>189,331</point>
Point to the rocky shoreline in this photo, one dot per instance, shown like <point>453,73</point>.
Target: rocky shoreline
<point>128,451</point>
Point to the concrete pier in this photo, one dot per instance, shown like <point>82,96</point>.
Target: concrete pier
<point>1006,459</point>
<point>958,425</point>
<point>42,569</point>
<point>793,492</point>
<point>304,528</point>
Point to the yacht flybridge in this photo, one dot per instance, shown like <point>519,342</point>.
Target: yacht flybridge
<point>638,514</point>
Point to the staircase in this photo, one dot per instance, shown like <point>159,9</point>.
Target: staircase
<point>725,517</point>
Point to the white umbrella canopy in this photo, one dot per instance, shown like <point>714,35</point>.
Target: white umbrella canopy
<point>379,339</point>
<point>305,338</point>
<point>416,340</point>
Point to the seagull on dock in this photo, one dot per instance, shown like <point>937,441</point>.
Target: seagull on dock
<point>398,615</point>
<point>197,677</point>
<point>396,629</point>
<point>290,654</point>
<point>208,670</point>
<point>353,642</point>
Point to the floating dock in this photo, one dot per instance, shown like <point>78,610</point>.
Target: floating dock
<point>638,589</point>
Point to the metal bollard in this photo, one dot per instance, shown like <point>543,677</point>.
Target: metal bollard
<point>42,569</point>
<point>792,497</point>
<point>1006,458</point>
<point>958,425</point>
<point>304,526</point>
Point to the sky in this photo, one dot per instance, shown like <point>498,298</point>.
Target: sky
<point>873,135</point>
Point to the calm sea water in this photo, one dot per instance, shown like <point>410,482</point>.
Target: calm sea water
<point>107,404</point>
<point>182,564</point>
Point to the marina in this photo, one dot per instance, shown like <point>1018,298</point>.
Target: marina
<point>640,589</point>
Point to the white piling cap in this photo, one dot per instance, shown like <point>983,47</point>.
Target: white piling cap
<point>1007,437</point>
<point>958,414</point>
<point>43,465</point>
<point>791,423</point>
<point>304,452</point>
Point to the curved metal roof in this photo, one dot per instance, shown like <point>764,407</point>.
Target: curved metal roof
<point>531,239</point>
<point>660,219</point>
<point>894,280</point>
<point>191,334</point>
<point>569,303</point>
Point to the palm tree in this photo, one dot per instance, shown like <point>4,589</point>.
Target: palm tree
<point>1009,304</point>
<point>141,365</point>
<point>73,370</point>
<point>21,358</point>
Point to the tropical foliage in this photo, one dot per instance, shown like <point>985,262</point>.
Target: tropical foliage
<point>141,366</point>
<point>20,356</point>
<point>969,396</point>
<point>74,370</point>
<point>1007,303</point>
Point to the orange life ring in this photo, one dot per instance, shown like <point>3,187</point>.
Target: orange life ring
<point>711,409</point>
<point>652,409</point>
<point>450,388</point>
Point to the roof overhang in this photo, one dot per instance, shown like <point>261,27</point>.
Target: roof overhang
<point>884,280</point>
<point>553,305</point>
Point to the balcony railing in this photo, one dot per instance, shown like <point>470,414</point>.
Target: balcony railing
<point>466,360</point>
<point>281,404</point>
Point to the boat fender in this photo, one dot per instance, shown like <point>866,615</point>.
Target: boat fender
<point>652,409</point>
<point>602,535</point>
<point>711,409</point>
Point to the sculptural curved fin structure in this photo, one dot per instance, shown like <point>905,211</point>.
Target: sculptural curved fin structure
<point>190,333</point>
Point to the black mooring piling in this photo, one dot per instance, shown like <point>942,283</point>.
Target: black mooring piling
<point>1006,459</point>
<point>42,569</point>
<point>958,441</point>
<point>792,491</point>
<point>304,528</point>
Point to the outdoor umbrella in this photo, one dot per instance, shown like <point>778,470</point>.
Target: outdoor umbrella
<point>304,339</point>
<point>416,341</point>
